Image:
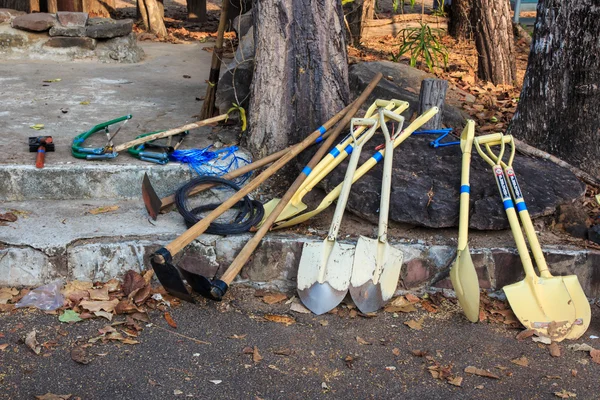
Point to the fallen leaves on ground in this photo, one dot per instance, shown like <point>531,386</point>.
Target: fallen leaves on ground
<point>280,319</point>
<point>554,349</point>
<point>52,396</point>
<point>525,334</point>
<point>69,316</point>
<point>564,394</point>
<point>415,324</point>
<point>32,343</point>
<point>103,209</point>
<point>80,355</point>
<point>8,217</point>
<point>362,341</point>
<point>93,305</point>
<point>99,294</point>
<point>299,308</point>
<point>522,361</point>
<point>3,346</point>
<point>400,304</point>
<point>283,352</point>
<point>274,298</point>
<point>170,320</point>
<point>256,357</point>
<point>456,381</point>
<point>132,281</point>
<point>234,336</point>
<point>595,354</point>
<point>481,372</point>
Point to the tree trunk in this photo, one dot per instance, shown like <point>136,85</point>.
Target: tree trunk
<point>559,107</point>
<point>152,16</point>
<point>495,42</point>
<point>98,8</point>
<point>357,12</point>
<point>70,5</point>
<point>196,10</point>
<point>432,94</point>
<point>301,70</point>
<point>460,27</point>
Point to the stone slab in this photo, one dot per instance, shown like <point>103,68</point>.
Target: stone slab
<point>107,28</point>
<point>38,22</point>
<point>72,19</point>
<point>73,31</point>
<point>66,42</point>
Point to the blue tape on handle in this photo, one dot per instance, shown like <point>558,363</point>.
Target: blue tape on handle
<point>319,139</point>
<point>521,206</point>
<point>306,170</point>
<point>508,204</point>
<point>322,129</point>
<point>335,152</point>
<point>349,149</point>
<point>377,156</point>
<point>465,189</point>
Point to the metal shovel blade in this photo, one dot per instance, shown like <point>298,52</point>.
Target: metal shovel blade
<point>466,284</point>
<point>151,199</point>
<point>324,274</point>
<point>375,274</point>
<point>543,305</point>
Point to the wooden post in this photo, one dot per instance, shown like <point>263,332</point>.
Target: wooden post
<point>433,94</point>
<point>52,6</point>
<point>196,10</point>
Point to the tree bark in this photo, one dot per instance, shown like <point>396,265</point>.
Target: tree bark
<point>152,16</point>
<point>495,42</point>
<point>70,5</point>
<point>196,10</point>
<point>432,94</point>
<point>98,8</point>
<point>301,70</point>
<point>460,27</point>
<point>357,12</point>
<point>559,107</point>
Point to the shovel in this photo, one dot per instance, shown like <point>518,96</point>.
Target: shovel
<point>169,275</point>
<point>540,304</point>
<point>376,266</point>
<point>568,289</point>
<point>462,274</point>
<point>329,162</point>
<point>370,163</point>
<point>325,268</point>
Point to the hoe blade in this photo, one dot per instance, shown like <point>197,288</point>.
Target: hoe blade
<point>151,199</point>
<point>168,275</point>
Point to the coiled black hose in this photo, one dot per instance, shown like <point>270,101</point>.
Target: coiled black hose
<point>250,212</point>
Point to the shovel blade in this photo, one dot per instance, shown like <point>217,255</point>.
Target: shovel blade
<point>151,199</point>
<point>289,211</point>
<point>324,274</point>
<point>545,305</point>
<point>466,284</point>
<point>375,274</point>
<point>581,303</point>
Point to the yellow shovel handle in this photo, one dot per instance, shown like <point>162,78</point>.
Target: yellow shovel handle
<point>466,144</point>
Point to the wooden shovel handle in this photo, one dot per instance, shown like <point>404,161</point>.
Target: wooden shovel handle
<point>243,256</point>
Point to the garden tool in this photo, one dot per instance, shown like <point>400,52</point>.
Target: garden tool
<point>215,289</point>
<point>98,153</point>
<point>330,161</point>
<point>41,145</point>
<point>326,267</point>
<point>569,292</point>
<point>541,304</point>
<point>462,274</point>
<point>438,141</point>
<point>376,266</point>
<point>363,169</point>
<point>142,151</point>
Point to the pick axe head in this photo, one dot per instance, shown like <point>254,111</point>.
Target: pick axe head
<point>151,199</point>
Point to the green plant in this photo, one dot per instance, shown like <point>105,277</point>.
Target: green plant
<point>439,11</point>
<point>422,42</point>
<point>400,3</point>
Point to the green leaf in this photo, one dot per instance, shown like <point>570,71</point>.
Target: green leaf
<point>85,103</point>
<point>52,80</point>
<point>37,127</point>
<point>240,109</point>
<point>69,316</point>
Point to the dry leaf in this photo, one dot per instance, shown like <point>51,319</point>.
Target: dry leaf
<point>456,381</point>
<point>274,298</point>
<point>299,308</point>
<point>5,297</point>
<point>126,306</point>
<point>564,394</point>
<point>522,361</point>
<point>480,372</point>
<point>595,356</point>
<point>324,322</point>
<point>248,350</point>
<point>104,209</point>
<point>580,347</point>
<point>8,217</point>
<point>419,353</point>
<point>396,351</point>
<point>99,294</point>
<point>170,320</point>
<point>542,339</point>
<point>142,295</point>
<point>92,306</point>
<point>554,349</point>
<point>147,275</point>
<point>525,334</point>
<point>428,306</point>
<point>256,357</point>
<point>3,346</point>
<point>405,308</point>
<point>104,314</point>
<point>415,324</point>
<point>80,355</point>
<point>283,352</point>
<point>280,319</point>
<point>362,341</point>
<point>52,396</point>
<point>113,285</point>
<point>412,298</point>
<point>32,342</point>
<point>573,372</point>
<point>132,281</point>
<point>140,316</point>
<point>75,286</point>
<point>106,329</point>
<point>238,336</point>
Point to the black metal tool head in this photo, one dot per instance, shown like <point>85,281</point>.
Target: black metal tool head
<point>168,275</point>
<point>211,289</point>
<point>151,199</point>
<point>36,141</point>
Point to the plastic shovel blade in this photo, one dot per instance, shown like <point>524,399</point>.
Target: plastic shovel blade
<point>324,275</point>
<point>466,284</point>
<point>545,305</point>
<point>581,304</point>
<point>289,211</point>
<point>375,274</point>
<point>151,199</point>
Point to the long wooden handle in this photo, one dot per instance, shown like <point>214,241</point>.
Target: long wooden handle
<point>170,132</point>
<point>243,256</point>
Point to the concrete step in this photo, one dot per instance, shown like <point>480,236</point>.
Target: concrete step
<point>53,239</point>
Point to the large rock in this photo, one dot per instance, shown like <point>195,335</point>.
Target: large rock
<point>122,49</point>
<point>73,31</point>
<point>107,28</point>
<point>6,14</point>
<point>426,186</point>
<point>242,24</point>
<point>72,19</point>
<point>400,82</point>
<point>66,42</point>
<point>38,22</point>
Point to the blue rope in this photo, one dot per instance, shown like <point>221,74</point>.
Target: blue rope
<point>212,162</point>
